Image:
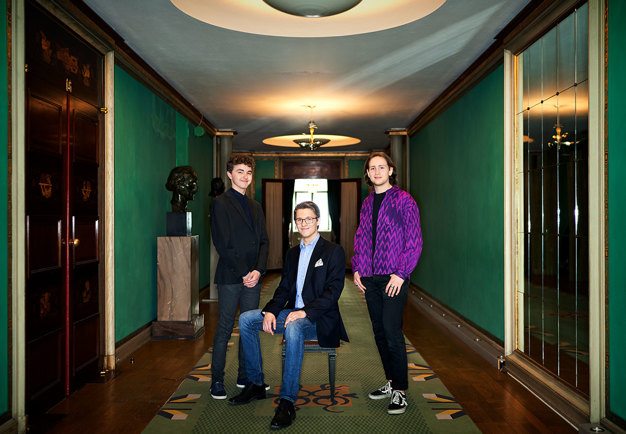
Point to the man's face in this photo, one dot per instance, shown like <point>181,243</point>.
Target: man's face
<point>378,171</point>
<point>306,222</point>
<point>241,177</point>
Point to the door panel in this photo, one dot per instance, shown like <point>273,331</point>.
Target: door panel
<point>86,232</point>
<point>350,190</point>
<point>64,85</point>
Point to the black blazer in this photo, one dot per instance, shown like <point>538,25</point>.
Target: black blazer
<point>241,248</point>
<point>322,287</point>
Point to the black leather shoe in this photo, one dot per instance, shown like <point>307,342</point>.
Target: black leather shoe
<point>249,394</point>
<point>285,414</point>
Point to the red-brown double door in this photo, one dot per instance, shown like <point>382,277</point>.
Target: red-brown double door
<point>62,212</point>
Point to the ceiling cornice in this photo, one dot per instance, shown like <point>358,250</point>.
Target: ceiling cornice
<point>541,13</point>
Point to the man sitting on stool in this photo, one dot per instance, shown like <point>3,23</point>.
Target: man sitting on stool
<point>304,307</point>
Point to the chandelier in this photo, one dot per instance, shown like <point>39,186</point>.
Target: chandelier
<point>560,138</point>
<point>311,141</point>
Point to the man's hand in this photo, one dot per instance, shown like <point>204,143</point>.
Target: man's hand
<point>296,314</point>
<point>269,323</point>
<point>357,281</point>
<point>393,286</point>
<point>251,279</point>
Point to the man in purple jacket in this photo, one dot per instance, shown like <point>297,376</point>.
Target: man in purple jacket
<point>387,246</point>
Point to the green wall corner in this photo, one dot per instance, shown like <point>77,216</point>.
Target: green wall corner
<point>355,170</point>
<point>264,169</point>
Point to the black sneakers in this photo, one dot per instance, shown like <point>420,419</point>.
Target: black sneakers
<point>382,393</point>
<point>217,390</point>
<point>248,394</point>
<point>398,403</point>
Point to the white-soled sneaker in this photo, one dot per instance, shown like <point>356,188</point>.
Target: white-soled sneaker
<point>382,393</point>
<point>398,403</point>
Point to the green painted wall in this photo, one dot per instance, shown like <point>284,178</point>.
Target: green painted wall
<point>355,170</point>
<point>457,181</point>
<point>264,169</point>
<point>617,209</point>
<point>200,150</point>
<point>145,152</point>
<point>150,139</point>
<point>4,137</point>
<point>182,140</point>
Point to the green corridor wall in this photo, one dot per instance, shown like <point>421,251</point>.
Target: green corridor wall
<point>617,210</point>
<point>150,139</point>
<point>200,151</point>
<point>457,181</point>
<point>264,169</point>
<point>4,228</point>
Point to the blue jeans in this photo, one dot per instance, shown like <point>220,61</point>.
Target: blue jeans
<point>230,296</point>
<point>296,332</point>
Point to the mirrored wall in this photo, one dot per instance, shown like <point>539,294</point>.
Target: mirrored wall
<point>553,299</point>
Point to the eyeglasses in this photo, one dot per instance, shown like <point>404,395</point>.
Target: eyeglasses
<point>307,220</point>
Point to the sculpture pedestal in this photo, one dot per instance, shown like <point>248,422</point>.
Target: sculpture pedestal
<point>178,305</point>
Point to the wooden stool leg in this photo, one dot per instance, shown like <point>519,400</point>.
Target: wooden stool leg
<point>282,372</point>
<point>331,375</point>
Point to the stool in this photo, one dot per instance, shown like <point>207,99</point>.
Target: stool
<point>313,346</point>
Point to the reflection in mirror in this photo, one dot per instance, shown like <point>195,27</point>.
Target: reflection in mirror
<point>553,302</point>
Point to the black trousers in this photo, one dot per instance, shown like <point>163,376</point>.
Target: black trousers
<point>386,316</point>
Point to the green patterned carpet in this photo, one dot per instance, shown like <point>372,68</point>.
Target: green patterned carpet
<point>359,371</point>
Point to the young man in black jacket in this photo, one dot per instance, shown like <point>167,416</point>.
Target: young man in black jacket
<point>240,237</point>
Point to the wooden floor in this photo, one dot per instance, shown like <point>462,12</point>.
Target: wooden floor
<point>125,404</point>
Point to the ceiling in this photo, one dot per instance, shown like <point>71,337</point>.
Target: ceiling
<point>382,73</point>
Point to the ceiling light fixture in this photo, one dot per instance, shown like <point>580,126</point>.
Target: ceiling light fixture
<point>311,141</point>
<point>312,8</point>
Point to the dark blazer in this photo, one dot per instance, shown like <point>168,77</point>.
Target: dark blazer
<point>322,287</point>
<point>241,248</point>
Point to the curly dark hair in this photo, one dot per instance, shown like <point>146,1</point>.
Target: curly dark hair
<point>239,159</point>
<point>393,178</point>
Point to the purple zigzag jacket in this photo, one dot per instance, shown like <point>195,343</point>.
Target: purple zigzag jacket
<point>398,236</point>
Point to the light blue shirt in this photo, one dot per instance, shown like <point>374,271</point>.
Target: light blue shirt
<point>303,264</point>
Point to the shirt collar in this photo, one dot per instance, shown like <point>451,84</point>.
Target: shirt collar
<point>237,194</point>
<point>311,244</point>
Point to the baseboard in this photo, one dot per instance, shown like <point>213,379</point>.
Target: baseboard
<point>10,426</point>
<point>123,351</point>
<point>472,336</point>
<point>564,400</point>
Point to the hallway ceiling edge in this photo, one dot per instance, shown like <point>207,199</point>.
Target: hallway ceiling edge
<point>260,85</point>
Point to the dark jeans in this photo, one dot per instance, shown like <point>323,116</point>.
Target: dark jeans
<point>229,296</point>
<point>386,316</point>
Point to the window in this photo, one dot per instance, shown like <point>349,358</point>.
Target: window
<point>315,190</point>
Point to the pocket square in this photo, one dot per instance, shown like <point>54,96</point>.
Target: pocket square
<point>319,262</point>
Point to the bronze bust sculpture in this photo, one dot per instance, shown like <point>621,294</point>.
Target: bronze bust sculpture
<point>183,183</point>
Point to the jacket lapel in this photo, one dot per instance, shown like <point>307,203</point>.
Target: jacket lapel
<point>315,256</point>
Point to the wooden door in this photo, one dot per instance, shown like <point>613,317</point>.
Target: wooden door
<point>63,89</point>
<point>349,216</point>
<point>274,221</point>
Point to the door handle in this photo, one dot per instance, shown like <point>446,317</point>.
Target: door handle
<point>75,242</point>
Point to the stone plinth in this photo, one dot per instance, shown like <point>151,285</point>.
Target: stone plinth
<point>178,308</point>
